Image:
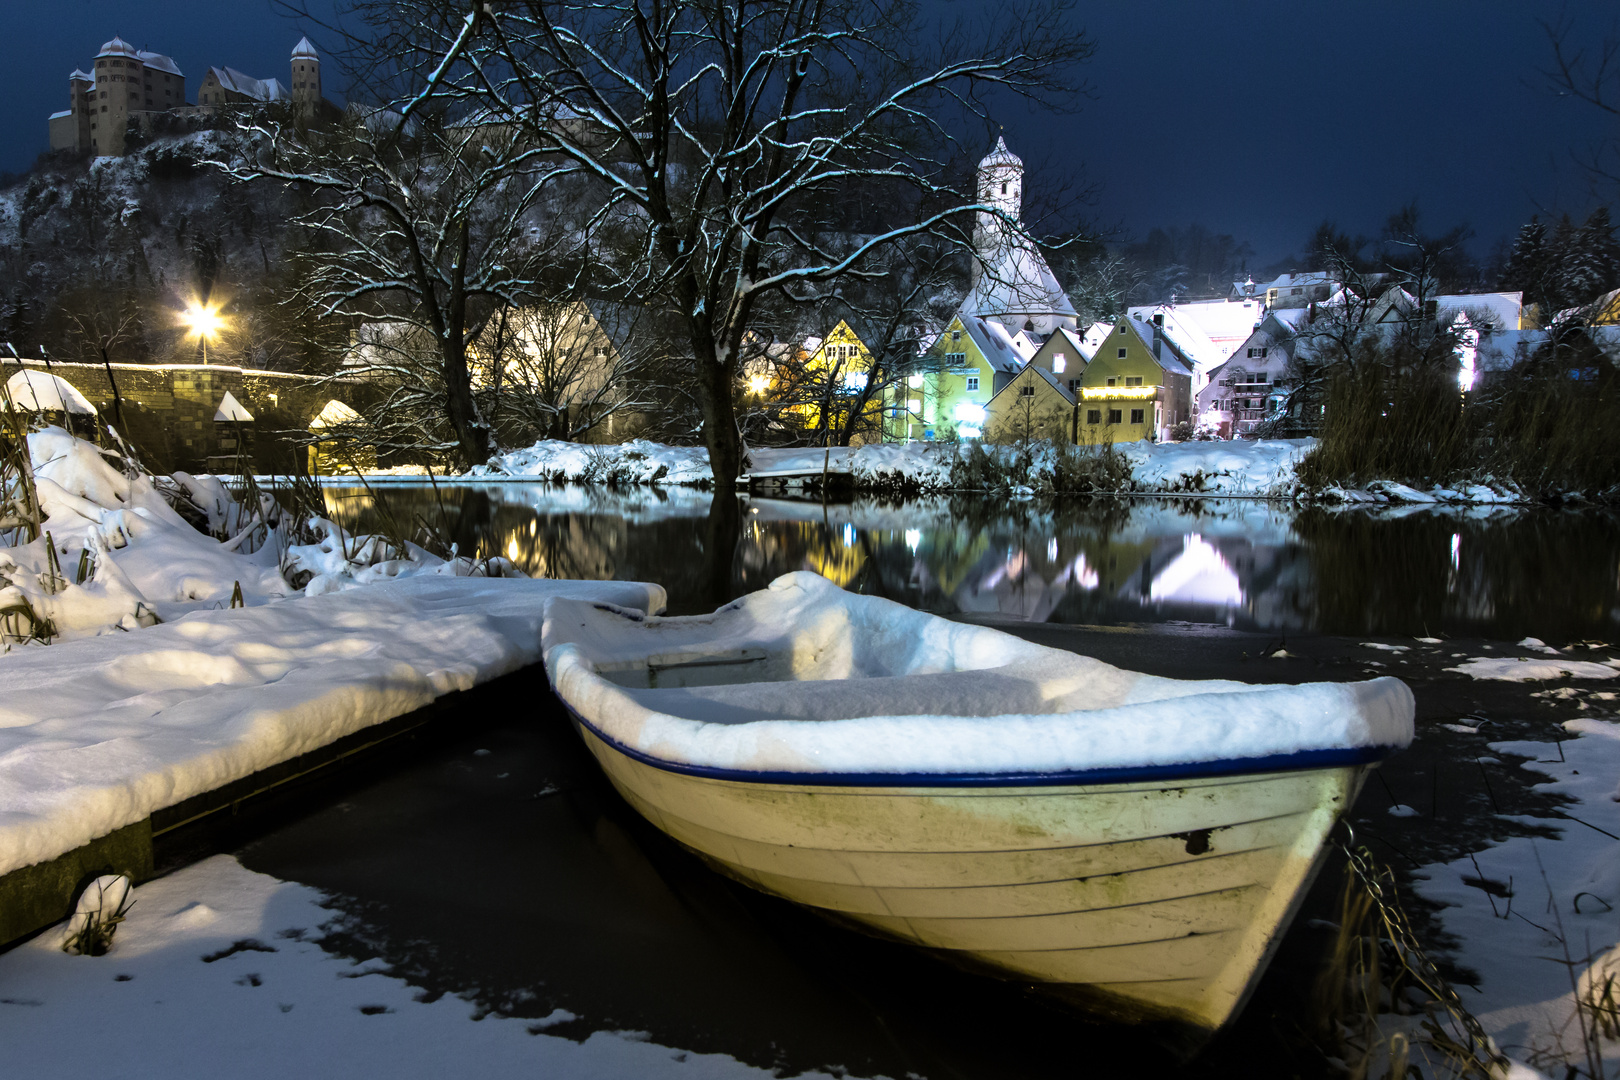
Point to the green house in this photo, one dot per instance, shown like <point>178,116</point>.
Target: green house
<point>951,392</point>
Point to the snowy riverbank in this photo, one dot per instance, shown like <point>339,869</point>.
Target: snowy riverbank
<point>1263,468</point>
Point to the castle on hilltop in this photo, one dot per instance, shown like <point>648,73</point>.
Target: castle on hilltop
<point>132,87</point>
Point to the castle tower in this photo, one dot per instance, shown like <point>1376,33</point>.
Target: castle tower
<point>119,78</point>
<point>1001,185</point>
<point>70,129</point>
<point>306,78</point>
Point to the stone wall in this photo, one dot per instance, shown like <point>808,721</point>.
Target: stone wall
<point>168,410</point>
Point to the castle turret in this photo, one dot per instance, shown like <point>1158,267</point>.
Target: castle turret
<point>306,78</point>
<point>119,73</point>
<point>1001,185</point>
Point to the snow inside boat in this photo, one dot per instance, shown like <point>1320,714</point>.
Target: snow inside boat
<point>1137,843</point>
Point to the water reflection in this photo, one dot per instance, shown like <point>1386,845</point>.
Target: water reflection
<point>1252,565</point>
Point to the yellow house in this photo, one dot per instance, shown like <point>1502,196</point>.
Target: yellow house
<point>835,373</point>
<point>963,369</point>
<point>1138,385</point>
<point>1033,405</point>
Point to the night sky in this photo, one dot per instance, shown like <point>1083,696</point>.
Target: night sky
<point>1257,119</point>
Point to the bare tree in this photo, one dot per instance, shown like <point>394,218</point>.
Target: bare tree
<point>561,370</point>
<point>420,220</point>
<point>1588,70</point>
<point>729,142</point>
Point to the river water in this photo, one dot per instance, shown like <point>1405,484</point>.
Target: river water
<point>494,862</point>
<point>1247,564</point>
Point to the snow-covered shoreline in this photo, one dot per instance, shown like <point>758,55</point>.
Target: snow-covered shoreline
<point>98,733</point>
<point>1263,469</point>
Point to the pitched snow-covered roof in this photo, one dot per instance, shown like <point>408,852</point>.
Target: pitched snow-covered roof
<point>304,50</point>
<point>1223,322</point>
<point>116,47</point>
<point>1068,339</point>
<point>993,342</point>
<point>1502,309</point>
<point>334,414</point>
<point>81,76</point>
<point>159,62</point>
<point>1161,347</point>
<point>40,391</point>
<point>230,409</point>
<point>1017,281</point>
<point>59,115</point>
<point>259,90</point>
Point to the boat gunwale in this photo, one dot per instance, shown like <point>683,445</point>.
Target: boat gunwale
<point>1298,761</point>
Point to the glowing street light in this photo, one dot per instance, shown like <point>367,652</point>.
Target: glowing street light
<point>757,384</point>
<point>203,320</point>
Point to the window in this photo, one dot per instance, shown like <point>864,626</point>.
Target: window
<point>1004,187</point>
<point>1251,354</point>
<point>955,359</point>
<point>1259,376</point>
<point>1136,416</point>
<point>1026,391</point>
<point>1058,363</point>
<point>1113,416</point>
<point>1074,387</point>
<point>973,384</point>
<point>1262,353</point>
<point>1122,329</point>
<point>1093,416</point>
<point>1122,352</point>
<point>1112,381</point>
<point>1133,380</point>
<point>956,335</point>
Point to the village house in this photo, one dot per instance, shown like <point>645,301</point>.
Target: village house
<point>1137,386</point>
<point>967,364</point>
<point>1253,384</point>
<point>131,88</point>
<point>1033,404</point>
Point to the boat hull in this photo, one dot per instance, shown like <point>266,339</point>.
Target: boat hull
<point>1149,901</point>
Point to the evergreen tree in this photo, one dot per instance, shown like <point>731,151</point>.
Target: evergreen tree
<point>1527,266</point>
<point>1591,263</point>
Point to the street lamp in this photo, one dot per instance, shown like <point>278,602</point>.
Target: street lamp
<point>203,320</point>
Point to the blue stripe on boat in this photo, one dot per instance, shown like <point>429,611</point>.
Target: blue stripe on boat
<point>1192,770</point>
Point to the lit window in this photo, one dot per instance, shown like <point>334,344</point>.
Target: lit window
<point>1058,363</point>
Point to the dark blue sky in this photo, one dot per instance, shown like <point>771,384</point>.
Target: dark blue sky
<point>1257,119</point>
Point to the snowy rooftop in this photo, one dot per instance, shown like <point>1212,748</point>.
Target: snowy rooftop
<point>1000,156</point>
<point>993,341</point>
<point>1016,281</point>
<point>304,50</point>
<point>159,62</point>
<point>259,90</point>
<point>116,47</point>
<point>1224,322</point>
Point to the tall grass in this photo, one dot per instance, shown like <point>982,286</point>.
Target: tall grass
<point>1549,427</point>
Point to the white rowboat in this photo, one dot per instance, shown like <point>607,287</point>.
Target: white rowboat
<point>1135,843</point>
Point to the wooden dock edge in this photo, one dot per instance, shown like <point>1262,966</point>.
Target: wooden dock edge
<point>37,896</point>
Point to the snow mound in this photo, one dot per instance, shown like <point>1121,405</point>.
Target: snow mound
<point>893,690</point>
<point>634,462</point>
<point>97,734</point>
<point>40,391</point>
<point>1262,467</point>
<point>1526,669</point>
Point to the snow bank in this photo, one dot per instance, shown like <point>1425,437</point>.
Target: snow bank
<point>635,462</point>
<point>897,690</point>
<point>1262,467</point>
<point>217,971</point>
<point>1563,896</point>
<point>98,733</point>
<point>142,561</point>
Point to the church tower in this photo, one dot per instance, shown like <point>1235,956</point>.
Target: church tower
<point>1001,185</point>
<point>306,78</point>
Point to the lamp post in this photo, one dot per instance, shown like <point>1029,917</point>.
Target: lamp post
<point>203,320</point>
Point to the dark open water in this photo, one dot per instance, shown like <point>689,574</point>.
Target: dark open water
<point>1251,565</point>
<point>497,864</point>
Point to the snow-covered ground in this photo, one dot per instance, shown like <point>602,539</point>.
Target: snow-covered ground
<point>1539,919</point>
<point>217,972</point>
